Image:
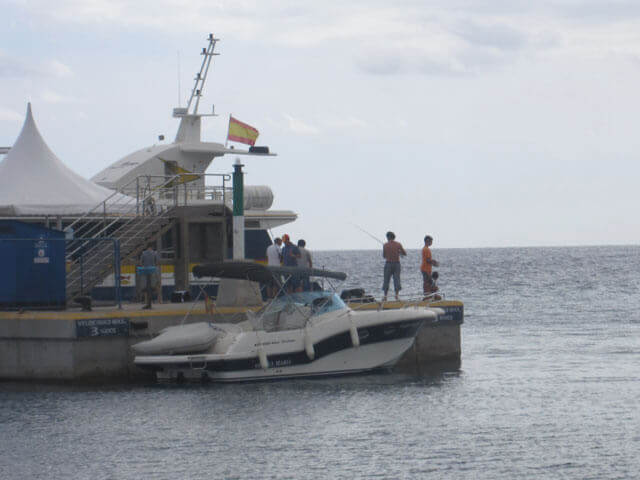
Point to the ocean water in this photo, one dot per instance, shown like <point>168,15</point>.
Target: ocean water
<point>549,387</point>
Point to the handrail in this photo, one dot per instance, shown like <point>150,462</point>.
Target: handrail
<point>127,217</point>
<point>96,229</point>
<point>149,192</point>
<point>103,203</point>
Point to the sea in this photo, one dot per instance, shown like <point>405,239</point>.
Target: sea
<point>549,387</point>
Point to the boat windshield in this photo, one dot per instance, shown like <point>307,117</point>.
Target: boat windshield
<point>318,302</point>
<point>292,311</point>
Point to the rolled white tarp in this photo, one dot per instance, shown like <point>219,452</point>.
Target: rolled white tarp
<point>189,338</point>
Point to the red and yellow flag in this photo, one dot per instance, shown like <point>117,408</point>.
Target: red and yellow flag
<point>241,132</point>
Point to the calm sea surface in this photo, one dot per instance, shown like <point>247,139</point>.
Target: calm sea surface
<point>549,388</point>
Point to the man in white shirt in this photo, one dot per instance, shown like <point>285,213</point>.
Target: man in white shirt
<point>273,258</point>
<point>273,252</point>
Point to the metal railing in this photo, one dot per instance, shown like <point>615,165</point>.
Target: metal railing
<point>135,214</point>
<point>145,195</point>
<point>177,190</point>
<point>111,210</point>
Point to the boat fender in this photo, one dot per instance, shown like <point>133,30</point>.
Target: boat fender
<point>355,338</point>
<point>264,362</point>
<point>308,345</point>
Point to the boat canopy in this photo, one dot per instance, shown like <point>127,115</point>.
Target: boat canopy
<point>257,272</point>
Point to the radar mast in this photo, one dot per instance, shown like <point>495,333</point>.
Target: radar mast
<point>189,130</point>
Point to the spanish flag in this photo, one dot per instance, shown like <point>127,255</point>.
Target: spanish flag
<point>241,132</point>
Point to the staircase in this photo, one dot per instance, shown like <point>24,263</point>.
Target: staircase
<point>97,258</point>
<point>115,231</point>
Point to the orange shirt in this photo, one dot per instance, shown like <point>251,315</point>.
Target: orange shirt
<point>426,260</point>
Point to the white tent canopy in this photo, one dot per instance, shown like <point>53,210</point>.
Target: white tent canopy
<point>34,181</point>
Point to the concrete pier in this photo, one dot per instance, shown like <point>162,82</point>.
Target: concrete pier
<point>96,346</point>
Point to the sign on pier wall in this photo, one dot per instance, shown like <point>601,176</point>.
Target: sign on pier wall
<point>102,327</point>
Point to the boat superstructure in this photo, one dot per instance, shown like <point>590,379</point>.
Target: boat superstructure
<point>187,154</point>
<point>189,157</point>
<point>199,203</point>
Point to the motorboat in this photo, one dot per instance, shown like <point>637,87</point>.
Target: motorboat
<point>300,334</point>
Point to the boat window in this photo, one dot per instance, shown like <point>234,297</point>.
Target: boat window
<point>317,302</point>
<point>322,302</point>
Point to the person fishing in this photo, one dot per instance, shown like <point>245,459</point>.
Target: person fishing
<point>391,252</point>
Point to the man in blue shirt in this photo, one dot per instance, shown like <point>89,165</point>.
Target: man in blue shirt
<point>290,256</point>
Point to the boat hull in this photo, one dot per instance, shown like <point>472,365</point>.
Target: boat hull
<point>347,361</point>
<point>344,351</point>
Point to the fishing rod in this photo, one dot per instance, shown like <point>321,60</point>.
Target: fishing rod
<point>370,234</point>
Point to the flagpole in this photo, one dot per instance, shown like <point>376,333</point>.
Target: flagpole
<point>228,128</point>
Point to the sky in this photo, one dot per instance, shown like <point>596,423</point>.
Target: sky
<point>483,123</point>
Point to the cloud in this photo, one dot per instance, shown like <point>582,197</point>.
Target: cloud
<point>464,60</point>
<point>456,46</point>
<point>12,66</point>
<point>10,116</point>
<point>440,37</point>
<point>49,96</point>
<point>598,10</point>
<point>400,60</point>
<point>299,126</point>
<point>59,69</point>
<point>308,20</point>
<point>499,36</point>
<point>381,62</point>
<point>341,122</point>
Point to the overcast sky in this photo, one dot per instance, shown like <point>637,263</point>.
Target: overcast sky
<point>480,122</point>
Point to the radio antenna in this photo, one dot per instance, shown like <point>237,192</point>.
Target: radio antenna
<point>179,89</point>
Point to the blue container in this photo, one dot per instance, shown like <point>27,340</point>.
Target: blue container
<point>33,266</point>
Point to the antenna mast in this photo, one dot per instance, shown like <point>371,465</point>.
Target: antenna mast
<point>179,88</point>
<point>201,77</point>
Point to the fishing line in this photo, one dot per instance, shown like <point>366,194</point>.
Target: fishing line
<point>370,234</point>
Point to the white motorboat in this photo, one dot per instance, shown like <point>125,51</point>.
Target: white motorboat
<point>301,334</point>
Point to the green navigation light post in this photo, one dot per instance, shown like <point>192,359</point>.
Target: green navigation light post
<point>238,211</point>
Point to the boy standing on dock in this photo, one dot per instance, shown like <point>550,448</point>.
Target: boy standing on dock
<point>391,252</point>
<point>426,267</point>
